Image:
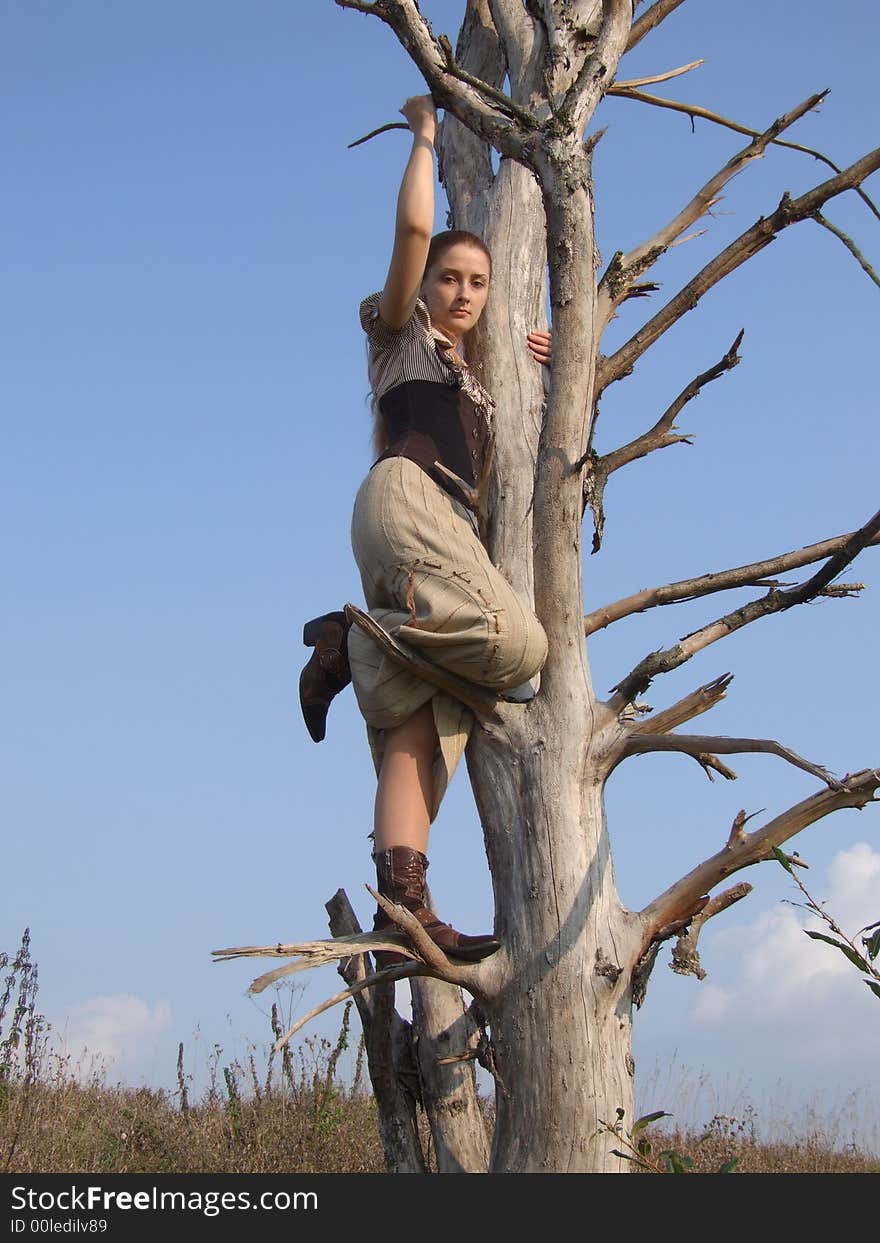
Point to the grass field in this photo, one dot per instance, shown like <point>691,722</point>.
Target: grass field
<point>292,1113</point>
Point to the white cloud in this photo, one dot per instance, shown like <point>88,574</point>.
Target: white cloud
<point>782,1024</point>
<point>773,986</point>
<point>713,1004</point>
<point>855,886</point>
<point>110,1030</point>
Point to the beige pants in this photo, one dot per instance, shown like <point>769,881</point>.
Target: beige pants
<point>427,578</point>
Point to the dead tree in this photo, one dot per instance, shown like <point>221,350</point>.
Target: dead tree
<point>551,1015</point>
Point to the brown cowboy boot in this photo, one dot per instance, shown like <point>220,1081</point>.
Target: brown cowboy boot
<point>401,876</point>
<point>326,672</point>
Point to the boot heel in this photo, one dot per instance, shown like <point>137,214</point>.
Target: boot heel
<point>312,631</point>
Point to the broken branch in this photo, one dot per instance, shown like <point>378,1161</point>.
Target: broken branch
<point>697,702</point>
<point>685,958</point>
<point>383,129</point>
<point>657,77</point>
<point>753,575</point>
<point>744,849</point>
<point>775,601</point>
<point>694,110</point>
<point>760,234</point>
<point>623,269</point>
<point>482,108</point>
<point>660,436</point>
<point>312,953</point>
<point>388,1043</point>
<point>404,971</point>
<point>711,763</point>
<point>639,742</point>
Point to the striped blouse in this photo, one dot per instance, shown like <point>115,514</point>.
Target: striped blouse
<point>417,351</point>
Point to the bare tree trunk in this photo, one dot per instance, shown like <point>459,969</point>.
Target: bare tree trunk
<point>388,1043</point>
<point>559,1003</point>
<point>561,1010</point>
<point>445,1044</point>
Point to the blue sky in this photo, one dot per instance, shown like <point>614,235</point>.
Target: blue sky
<point>185,239</point>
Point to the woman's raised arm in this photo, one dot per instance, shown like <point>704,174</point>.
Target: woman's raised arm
<point>414,222</point>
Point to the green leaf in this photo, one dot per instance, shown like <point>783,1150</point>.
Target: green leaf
<point>647,1119</point>
<point>645,1147</point>
<point>874,987</point>
<point>855,958</point>
<point>615,1152</point>
<point>675,1163</point>
<point>781,858</point>
<point>729,1166</point>
<point>872,944</point>
<point>821,936</point>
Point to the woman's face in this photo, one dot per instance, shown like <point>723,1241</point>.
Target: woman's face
<point>455,289</point>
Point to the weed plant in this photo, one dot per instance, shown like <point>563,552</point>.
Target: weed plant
<point>268,1114</point>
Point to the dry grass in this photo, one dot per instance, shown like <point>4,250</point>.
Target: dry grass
<point>293,1115</point>
<point>73,1129</point>
<point>734,1142</point>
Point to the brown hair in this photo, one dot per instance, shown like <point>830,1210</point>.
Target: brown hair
<point>441,242</point>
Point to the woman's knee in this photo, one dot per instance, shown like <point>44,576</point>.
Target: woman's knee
<point>520,651</point>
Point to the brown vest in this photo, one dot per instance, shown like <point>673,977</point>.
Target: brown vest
<point>432,423</point>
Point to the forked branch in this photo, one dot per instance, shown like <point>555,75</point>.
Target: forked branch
<point>624,269</point>
<point>775,601</point>
<point>749,243</point>
<point>623,91</point>
<point>501,101</point>
<point>640,742</point>
<point>660,436</point>
<point>688,895</point>
<point>483,108</point>
<point>308,954</point>
<point>757,574</point>
<point>412,940</point>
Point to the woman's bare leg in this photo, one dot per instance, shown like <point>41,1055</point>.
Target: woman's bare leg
<point>403,799</point>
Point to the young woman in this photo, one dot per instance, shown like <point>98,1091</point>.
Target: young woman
<point>426,576</point>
